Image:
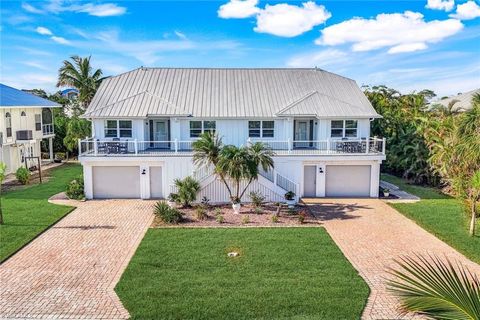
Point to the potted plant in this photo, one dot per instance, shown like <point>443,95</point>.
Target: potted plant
<point>386,192</point>
<point>290,198</point>
<point>172,200</point>
<point>236,204</point>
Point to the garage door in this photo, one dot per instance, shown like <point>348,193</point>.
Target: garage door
<point>156,182</point>
<point>348,181</point>
<point>116,182</point>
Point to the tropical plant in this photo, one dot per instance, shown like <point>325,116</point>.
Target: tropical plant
<point>3,174</point>
<point>75,189</point>
<point>77,128</point>
<point>235,164</point>
<point>257,198</point>
<point>167,214</point>
<point>289,195</point>
<point>200,213</point>
<point>435,288</point>
<point>474,197</point>
<point>246,219</point>
<point>187,190</point>
<point>22,175</point>
<point>78,73</point>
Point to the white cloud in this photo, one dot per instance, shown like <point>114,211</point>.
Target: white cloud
<point>322,59</point>
<point>446,5</point>
<point>286,20</point>
<point>467,11</point>
<point>238,9</point>
<point>400,32</point>
<point>29,8</point>
<point>100,10</point>
<point>181,35</point>
<point>58,6</point>
<point>37,65</point>
<point>60,40</point>
<point>44,31</point>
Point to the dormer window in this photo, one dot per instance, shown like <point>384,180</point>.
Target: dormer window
<point>8,124</point>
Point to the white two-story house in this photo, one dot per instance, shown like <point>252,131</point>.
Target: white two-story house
<point>26,120</point>
<point>144,122</point>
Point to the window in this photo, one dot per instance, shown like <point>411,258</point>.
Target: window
<point>118,129</point>
<point>8,124</point>
<point>38,122</point>
<point>198,127</point>
<point>259,129</point>
<point>344,128</point>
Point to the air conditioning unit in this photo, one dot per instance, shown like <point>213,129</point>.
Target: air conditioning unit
<point>24,135</point>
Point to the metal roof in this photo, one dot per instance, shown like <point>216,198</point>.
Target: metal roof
<point>461,102</point>
<point>11,97</point>
<point>229,93</point>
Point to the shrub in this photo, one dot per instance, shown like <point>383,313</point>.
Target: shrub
<point>257,198</point>
<point>246,219</point>
<point>22,175</point>
<point>218,211</point>
<point>167,214</point>
<point>75,189</point>
<point>187,190</point>
<point>290,195</point>
<point>205,202</point>
<point>200,213</point>
<point>60,156</point>
<point>274,218</point>
<point>220,218</point>
<point>301,218</point>
<point>258,210</point>
<point>173,197</point>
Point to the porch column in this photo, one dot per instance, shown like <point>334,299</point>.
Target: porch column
<point>50,148</point>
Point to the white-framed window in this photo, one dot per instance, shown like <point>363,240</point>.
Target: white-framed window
<point>343,128</point>
<point>38,122</point>
<point>118,128</point>
<point>198,127</point>
<point>8,124</point>
<point>261,129</point>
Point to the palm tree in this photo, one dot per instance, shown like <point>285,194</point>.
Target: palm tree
<point>436,289</point>
<point>78,73</point>
<point>474,195</point>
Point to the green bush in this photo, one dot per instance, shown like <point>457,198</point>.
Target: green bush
<point>257,198</point>
<point>220,219</point>
<point>167,214</point>
<point>75,189</point>
<point>246,219</point>
<point>187,190</point>
<point>200,213</point>
<point>274,218</point>
<point>22,175</point>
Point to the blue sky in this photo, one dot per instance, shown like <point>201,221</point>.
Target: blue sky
<point>408,45</point>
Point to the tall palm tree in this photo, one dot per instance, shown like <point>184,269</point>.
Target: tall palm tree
<point>79,74</point>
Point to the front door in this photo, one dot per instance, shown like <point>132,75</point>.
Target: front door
<point>301,134</point>
<point>310,181</point>
<point>160,134</point>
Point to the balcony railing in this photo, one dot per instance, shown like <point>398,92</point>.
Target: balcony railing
<point>96,147</point>
<point>47,129</point>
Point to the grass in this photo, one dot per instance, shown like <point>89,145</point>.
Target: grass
<point>281,273</point>
<point>27,213</point>
<point>441,215</point>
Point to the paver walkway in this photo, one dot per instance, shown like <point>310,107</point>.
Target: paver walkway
<point>371,234</point>
<point>70,271</point>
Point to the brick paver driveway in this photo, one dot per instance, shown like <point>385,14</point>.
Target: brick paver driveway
<point>371,234</point>
<point>69,272</point>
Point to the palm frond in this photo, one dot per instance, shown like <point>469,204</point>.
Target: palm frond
<point>435,288</point>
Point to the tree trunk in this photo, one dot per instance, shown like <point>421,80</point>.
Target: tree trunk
<point>1,210</point>
<point>473,219</point>
<point>246,187</point>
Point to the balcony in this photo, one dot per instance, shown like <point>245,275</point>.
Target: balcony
<point>133,148</point>
<point>24,135</point>
<point>47,129</point>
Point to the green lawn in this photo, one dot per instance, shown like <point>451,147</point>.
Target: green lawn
<point>440,215</point>
<point>27,213</point>
<point>281,273</point>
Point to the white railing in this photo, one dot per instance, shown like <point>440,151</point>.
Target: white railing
<point>47,129</point>
<point>202,173</point>
<point>281,181</point>
<point>128,147</point>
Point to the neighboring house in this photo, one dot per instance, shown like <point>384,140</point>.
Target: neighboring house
<point>26,120</point>
<point>144,122</point>
<point>459,103</point>
<point>70,93</point>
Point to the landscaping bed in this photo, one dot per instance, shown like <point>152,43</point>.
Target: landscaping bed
<point>250,215</point>
<point>279,273</point>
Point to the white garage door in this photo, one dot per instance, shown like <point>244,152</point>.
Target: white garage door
<point>348,181</point>
<point>116,182</point>
<point>156,182</point>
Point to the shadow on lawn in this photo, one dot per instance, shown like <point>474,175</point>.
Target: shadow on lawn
<point>335,211</point>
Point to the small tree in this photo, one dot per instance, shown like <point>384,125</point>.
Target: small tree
<point>3,173</point>
<point>474,197</point>
<point>187,190</point>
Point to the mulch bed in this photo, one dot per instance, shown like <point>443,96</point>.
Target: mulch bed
<point>256,218</point>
